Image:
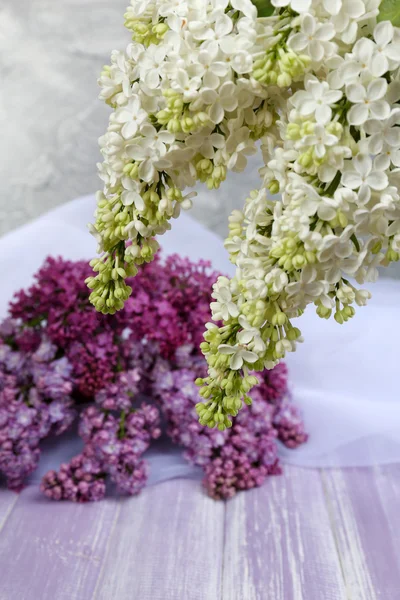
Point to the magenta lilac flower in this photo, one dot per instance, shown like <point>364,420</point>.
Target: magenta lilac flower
<point>60,361</point>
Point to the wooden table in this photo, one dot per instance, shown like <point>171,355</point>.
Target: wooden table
<point>306,535</point>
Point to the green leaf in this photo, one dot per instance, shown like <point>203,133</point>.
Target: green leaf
<point>264,7</point>
<point>389,10</point>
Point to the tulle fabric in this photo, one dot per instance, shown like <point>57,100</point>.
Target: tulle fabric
<point>344,378</point>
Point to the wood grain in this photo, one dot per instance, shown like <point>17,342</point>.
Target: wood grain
<point>167,545</point>
<point>53,550</point>
<point>365,505</point>
<point>308,535</point>
<point>8,501</point>
<point>279,543</point>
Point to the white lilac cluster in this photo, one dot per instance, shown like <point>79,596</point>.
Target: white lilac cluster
<point>318,82</point>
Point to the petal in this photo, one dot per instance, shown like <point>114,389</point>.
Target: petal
<point>379,64</point>
<point>382,162</point>
<point>228,45</point>
<point>323,113</point>
<point>392,137</point>
<point>356,92</point>
<point>307,107</point>
<point>330,139</point>
<point>308,25</point>
<point>393,52</point>
<point>363,50</point>
<point>152,79</point>
<point>298,42</point>
<point>351,179</point>
<point>226,349</point>
<point>377,89</point>
<point>375,143</point>
<point>147,171</point>
<point>250,357</point>
<point>380,109</point>
<point>210,80</point>
<point>350,34</point>
<point>245,337</point>
<point>300,6</point>
<point>236,362</point>
<point>363,164</point>
<point>364,194</point>
<point>349,71</point>
<point>123,115</point>
<point>209,96</point>
<point>325,32</point>
<point>217,140</point>
<point>148,131</point>
<point>373,126</point>
<point>355,8</point>
<point>358,114</point>
<point>316,50</point>
<point>383,33</point>
<point>220,68</point>
<point>393,93</point>
<point>396,158</point>
<point>136,152</point>
<point>182,77</point>
<point>377,180</point>
<point>332,96</point>
<point>223,25</point>
<point>216,112</point>
<point>166,137</point>
<point>326,213</point>
<point>299,97</point>
<point>394,118</point>
<point>129,130</point>
<point>333,6</point>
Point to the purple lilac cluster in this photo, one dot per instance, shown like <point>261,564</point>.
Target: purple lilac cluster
<point>35,400</point>
<point>242,456</point>
<point>59,358</point>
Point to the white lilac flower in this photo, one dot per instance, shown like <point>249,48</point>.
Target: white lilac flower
<point>347,14</point>
<point>238,355</point>
<point>250,335</point>
<point>318,85</point>
<point>365,61</point>
<point>361,174</point>
<point>316,100</point>
<point>383,133</point>
<point>220,101</point>
<point>224,307</point>
<point>320,139</point>
<point>130,116</point>
<point>313,38</point>
<point>299,6</point>
<point>387,50</point>
<point>368,101</point>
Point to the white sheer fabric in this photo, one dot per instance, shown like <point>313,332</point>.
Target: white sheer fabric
<point>344,378</point>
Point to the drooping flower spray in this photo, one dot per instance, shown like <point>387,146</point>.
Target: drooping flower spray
<point>318,83</point>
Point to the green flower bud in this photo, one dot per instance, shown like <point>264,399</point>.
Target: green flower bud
<point>274,187</point>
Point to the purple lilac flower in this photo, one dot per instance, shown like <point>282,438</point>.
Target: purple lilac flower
<point>56,353</point>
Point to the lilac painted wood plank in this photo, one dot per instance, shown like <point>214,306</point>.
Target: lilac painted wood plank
<point>365,505</point>
<point>279,543</point>
<point>7,502</point>
<point>167,545</point>
<point>53,550</point>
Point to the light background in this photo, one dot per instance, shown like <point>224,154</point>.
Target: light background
<point>51,53</point>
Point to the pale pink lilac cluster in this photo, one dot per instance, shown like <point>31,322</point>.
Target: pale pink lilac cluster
<point>59,358</point>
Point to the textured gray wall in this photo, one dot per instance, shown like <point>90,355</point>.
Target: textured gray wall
<point>51,53</point>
